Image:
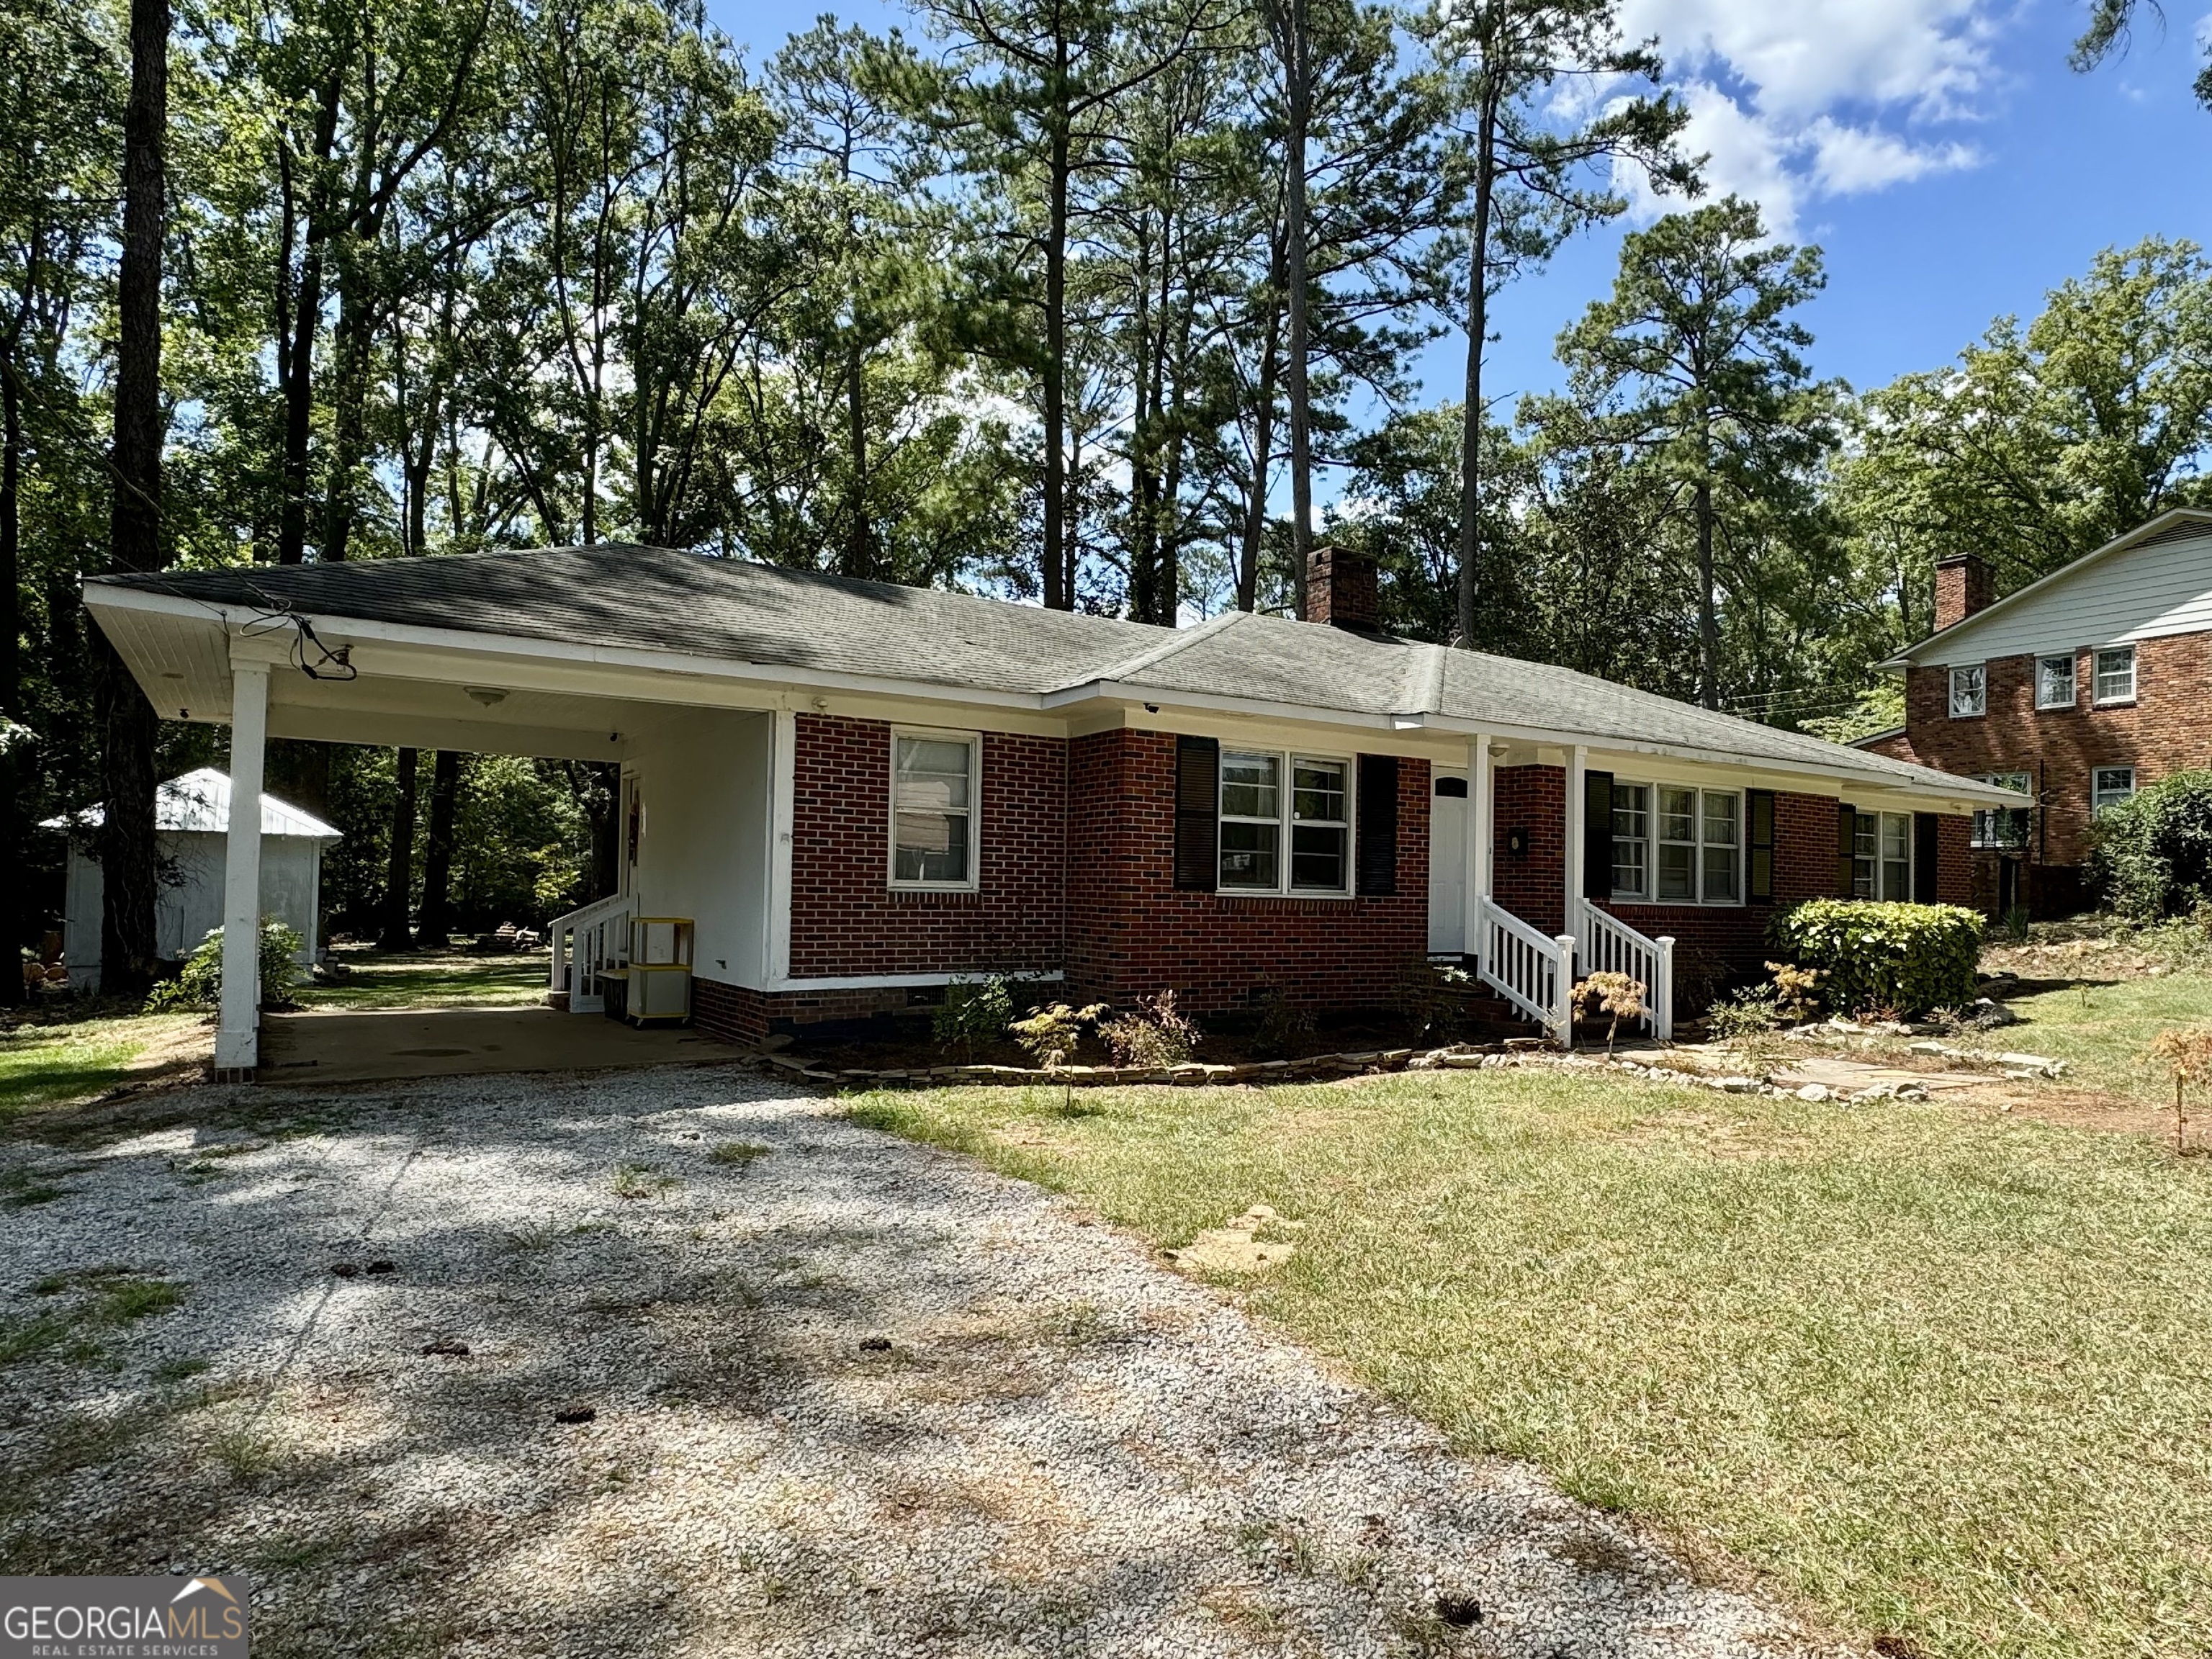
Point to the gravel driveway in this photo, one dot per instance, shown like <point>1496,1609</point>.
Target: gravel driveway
<point>851,1395</point>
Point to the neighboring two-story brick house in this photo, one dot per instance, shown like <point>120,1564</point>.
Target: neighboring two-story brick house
<point>2079,690</point>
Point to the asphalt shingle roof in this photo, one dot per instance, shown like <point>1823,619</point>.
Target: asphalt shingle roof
<point>665,599</point>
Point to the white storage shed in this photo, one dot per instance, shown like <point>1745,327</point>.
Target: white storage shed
<point>191,815</point>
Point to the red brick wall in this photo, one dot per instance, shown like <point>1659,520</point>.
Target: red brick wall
<point>2168,728</point>
<point>1533,883</point>
<point>1130,933</point>
<point>846,921</point>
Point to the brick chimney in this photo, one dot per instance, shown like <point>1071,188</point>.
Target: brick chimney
<point>1963,586</point>
<point>1341,589</point>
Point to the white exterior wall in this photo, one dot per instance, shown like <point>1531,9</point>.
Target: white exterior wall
<point>704,783</point>
<point>186,910</point>
<point>2157,587</point>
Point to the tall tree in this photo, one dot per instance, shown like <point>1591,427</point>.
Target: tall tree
<point>1520,63</point>
<point>1693,367</point>
<point>392,931</point>
<point>435,923</point>
<point>127,946</point>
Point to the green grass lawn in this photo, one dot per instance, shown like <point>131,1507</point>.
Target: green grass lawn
<point>431,979</point>
<point>53,1064</point>
<point>2103,1029</point>
<point>1936,1372</point>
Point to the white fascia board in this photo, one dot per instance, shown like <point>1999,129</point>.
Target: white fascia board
<point>893,981</point>
<point>682,665</point>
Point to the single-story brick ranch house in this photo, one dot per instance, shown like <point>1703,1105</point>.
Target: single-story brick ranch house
<point>2078,690</point>
<point>861,792</point>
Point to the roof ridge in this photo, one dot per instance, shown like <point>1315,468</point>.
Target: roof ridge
<point>1178,639</point>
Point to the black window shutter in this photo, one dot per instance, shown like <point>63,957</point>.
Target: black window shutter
<point>1378,826</point>
<point>1197,821</point>
<point>1758,807</point>
<point>1847,824</point>
<point>1597,835</point>
<point>1926,838</point>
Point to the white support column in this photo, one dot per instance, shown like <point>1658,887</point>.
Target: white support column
<point>237,1034</point>
<point>1577,800</point>
<point>1477,885</point>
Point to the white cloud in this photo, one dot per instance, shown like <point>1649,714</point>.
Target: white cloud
<point>1797,99</point>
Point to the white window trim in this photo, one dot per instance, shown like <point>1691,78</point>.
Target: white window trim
<point>1287,760</point>
<point>1987,815</point>
<point>2134,788</point>
<point>1951,690</point>
<point>1651,900</point>
<point>1880,857</point>
<point>975,881</point>
<point>2073,699</point>
<point>2097,699</point>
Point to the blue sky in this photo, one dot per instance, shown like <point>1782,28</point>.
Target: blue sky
<point>1950,165</point>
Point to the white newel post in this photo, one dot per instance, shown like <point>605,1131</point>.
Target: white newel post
<point>1477,885</point>
<point>1662,1015</point>
<point>1578,802</point>
<point>1563,992</point>
<point>237,1038</point>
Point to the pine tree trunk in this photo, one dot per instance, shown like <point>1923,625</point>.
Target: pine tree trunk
<point>1478,330</point>
<point>1296,71</point>
<point>295,369</point>
<point>436,926</point>
<point>125,718</point>
<point>12,848</point>
<point>399,863</point>
<point>1052,556</point>
<point>1263,441</point>
<point>1709,627</point>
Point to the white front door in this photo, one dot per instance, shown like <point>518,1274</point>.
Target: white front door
<point>1447,810</point>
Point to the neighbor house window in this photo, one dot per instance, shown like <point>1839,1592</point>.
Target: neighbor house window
<point>1254,823</point>
<point>1631,839</point>
<point>1677,845</point>
<point>2003,826</point>
<point>2116,674</point>
<point>933,818</point>
<point>2054,682</point>
<point>1881,856</point>
<point>2111,785</point>
<point>1970,691</point>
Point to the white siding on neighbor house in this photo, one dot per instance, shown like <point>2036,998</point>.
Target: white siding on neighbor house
<point>2159,587</point>
<point>190,902</point>
<point>704,783</point>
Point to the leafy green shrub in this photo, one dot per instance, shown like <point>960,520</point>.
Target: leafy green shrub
<point>1750,1013</point>
<point>1153,1035</point>
<point>1876,955</point>
<point>199,985</point>
<point>2153,856</point>
<point>975,1010</point>
<point>1051,1035</point>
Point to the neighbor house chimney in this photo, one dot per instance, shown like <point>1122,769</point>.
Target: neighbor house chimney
<point>1341,589</point>
<point>1963,586</point>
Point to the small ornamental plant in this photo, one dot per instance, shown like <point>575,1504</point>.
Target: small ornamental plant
<point>2187,1052</point>
<point>1051,1035</point>
<point>199,984</point>
<point>1616,994</point>
<point>1153,1035</point>
<point>1797,993</point>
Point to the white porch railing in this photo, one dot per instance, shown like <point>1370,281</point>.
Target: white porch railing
<point>1609,945</point>
<point>583,942</point>
<point>1533,973</point>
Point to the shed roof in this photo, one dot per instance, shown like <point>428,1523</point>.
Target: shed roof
<point>200,801</point>
<point>734,610</point>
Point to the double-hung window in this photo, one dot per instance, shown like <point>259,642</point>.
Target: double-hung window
<point>2109,785</point>
<point>1673,845</point>
<point>2003,826</point>
<point>934,788</point>
<point>1881,856</point>
<point>1262,820</point>
<point>2116,675</point>
<point>1970,692</point>
<point>2054,682</point>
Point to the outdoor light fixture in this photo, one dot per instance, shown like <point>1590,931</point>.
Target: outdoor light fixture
<point>486,694</point>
